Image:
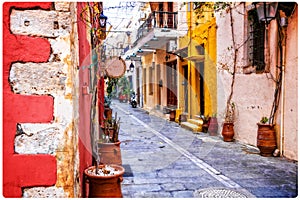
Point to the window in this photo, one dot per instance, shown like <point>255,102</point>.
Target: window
<point>256,42</point>
<point>151,79</point>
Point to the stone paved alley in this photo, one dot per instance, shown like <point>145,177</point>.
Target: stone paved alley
<point>162,159</point>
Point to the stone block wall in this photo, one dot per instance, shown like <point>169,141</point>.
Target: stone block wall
<point>41,76</point>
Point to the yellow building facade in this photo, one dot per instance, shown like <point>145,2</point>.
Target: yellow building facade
<point>197,82</point>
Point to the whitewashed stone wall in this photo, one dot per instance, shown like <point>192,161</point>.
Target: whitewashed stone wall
<point>58,78</point>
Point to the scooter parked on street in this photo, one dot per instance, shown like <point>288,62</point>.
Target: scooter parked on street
<point>133,100</point>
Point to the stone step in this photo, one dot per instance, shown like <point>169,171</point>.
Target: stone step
<point>197,122</point>
<point>190,126</point>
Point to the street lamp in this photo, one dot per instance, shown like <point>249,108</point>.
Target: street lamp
<point>102,20</point>
<point>102,23</point>
<point>266,11</point>
<point>131,67</point>
<point>127,58</point>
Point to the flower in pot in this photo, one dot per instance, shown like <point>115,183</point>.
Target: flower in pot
<point>266,137</point>
<point>228,131</point>
<point>206,120</point>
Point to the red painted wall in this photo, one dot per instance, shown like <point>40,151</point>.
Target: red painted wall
<point>24,170</point>
<point>85,155</point>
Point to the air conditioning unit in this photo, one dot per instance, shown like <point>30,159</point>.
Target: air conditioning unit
<point>171,46</point>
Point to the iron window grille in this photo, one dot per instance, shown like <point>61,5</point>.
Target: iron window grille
<point>256,54</point>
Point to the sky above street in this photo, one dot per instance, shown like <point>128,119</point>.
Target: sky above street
<point>119,13</point>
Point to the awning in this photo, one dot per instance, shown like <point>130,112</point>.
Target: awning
<point>197,58</point>
<point>183,52</point>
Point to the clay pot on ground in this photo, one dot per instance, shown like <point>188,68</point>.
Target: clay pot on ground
<point>266,139</point>
<point>172,115</point>
<point>110,153</point>
<point>228,131</point>
<point>106,184</point>
<point>213,126</point>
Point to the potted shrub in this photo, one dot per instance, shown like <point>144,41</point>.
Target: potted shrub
<point>105,176</point>
<point>206,120</point>
<point>109,145</point>
<point>266,137</point>
<point>104,180</point>
<point>228,130</point>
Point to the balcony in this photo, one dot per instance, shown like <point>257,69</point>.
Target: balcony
<point>158,29</point>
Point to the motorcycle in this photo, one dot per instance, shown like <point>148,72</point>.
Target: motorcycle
<point>133,100</point>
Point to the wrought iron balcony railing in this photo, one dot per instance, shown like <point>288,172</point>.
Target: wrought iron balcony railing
<point>158,19</point>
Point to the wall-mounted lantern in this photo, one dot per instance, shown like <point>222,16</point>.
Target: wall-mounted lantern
<point>266,11</point>
<point>102,20</point>
<point>167,57</point>
<point>131,67</point>
<point>140,51</point>
<point>102,23</point>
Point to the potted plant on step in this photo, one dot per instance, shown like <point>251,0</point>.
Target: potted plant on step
<point>206,120</point>
<point>266,137</point>
<point>228,130</point>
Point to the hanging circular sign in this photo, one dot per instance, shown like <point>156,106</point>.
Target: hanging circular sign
<point>115,67</point>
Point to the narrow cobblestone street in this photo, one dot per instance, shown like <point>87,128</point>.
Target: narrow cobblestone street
<point>162,159</point>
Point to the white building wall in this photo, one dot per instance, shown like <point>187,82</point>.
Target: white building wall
<point>252,93</point>
<point>290,114</point>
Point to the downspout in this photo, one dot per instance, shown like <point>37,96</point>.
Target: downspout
<point>189,62</point>
<point>283,24</point>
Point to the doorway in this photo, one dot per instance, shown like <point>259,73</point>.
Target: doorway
<point>171,83</point>
<point>185,87</point>
<point>200,85</point>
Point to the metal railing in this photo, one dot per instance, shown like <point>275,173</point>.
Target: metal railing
<point>157,19</point>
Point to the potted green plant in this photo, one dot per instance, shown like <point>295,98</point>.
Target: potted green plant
<point>205,125</point>
<point>104,180</point>
<point>228,130</point>
<point>124,86</point>
<point>109,145</point>
<point>105,176</point>
<point>266,137</point>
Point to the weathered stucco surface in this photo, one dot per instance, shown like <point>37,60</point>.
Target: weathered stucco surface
<point>291,90</point>
<point>59,78</point>
<point>253,94</point>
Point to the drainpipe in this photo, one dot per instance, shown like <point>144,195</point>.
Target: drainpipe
<point>283,24</point>
<point>190,63</point>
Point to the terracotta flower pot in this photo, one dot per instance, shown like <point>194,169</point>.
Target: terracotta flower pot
<point>213,126</point>
<point>266,139</point>
<point>228,131</point>
<point>110,153</point>
<point>105,186</point>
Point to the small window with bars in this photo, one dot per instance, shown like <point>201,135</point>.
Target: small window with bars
<point>256,42</point>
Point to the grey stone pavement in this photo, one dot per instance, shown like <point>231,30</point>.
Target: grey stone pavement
<point>163,160</point>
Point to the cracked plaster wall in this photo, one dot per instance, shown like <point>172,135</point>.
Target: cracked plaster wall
<point>58,78</point>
